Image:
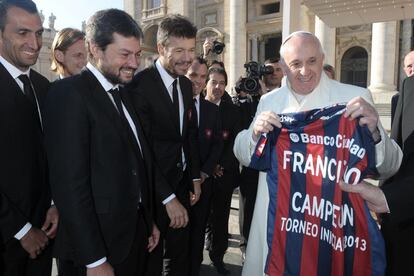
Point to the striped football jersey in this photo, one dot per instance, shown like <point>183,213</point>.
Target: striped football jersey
<point>313,227</point>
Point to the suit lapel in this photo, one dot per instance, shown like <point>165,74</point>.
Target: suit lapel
<point>407,115</point>
<point>163,95</point>
<point>102,99</point>
<point>13,91</point>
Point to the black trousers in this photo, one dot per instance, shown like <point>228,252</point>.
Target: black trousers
<point>15,261</point>
<point>171,256</point>
<point>220,211</point>
<point>248,190</point>
<point>134,264</point>
<point>199,214</point>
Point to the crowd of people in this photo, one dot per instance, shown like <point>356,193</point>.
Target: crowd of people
<point>117,172</point>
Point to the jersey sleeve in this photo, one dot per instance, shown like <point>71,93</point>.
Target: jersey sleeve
<point>261,159</point>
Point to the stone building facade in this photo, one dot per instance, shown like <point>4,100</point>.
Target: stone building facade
<point>368,55</point>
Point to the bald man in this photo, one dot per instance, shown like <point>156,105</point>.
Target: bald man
<point>409,71</point>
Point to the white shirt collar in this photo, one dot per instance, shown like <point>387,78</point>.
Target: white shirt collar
<point>13,70</point>
<point>107,85</point>
<point>197,98</point>
<point>166,78</point>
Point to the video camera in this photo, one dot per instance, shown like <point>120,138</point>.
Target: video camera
<point>250,84</point>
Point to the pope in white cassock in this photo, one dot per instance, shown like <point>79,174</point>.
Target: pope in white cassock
<point>306,88</point>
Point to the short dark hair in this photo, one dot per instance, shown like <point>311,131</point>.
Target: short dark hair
<point>216,70</point>
<point>5,5</point>
<point>103,24</point>
<point>220,63</point>
<point>201,60</point>
<point>272,60</point>
<point>175,25</point>
<point>329,68</point>
<point>62,41</point>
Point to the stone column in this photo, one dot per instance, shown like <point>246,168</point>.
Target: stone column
<point>255,47</point>
<point>384,56</point>
<point>262,49</point>
<point>327,36</point>
<point>238,43</point>
<point>291,14</point>
<point>407,35</point>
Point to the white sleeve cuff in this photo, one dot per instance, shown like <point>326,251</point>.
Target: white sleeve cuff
<point>168,199</point>
<point>97,263</point>
<point>23,231</point>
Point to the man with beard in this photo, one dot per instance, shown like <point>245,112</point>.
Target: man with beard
<point>100,164</point>
<point>210,145</point>
<point>226,172</point>
<point>27,221</point>
<point>162,96</point>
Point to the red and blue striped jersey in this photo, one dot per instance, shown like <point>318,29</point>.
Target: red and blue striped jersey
<point>313,227</point>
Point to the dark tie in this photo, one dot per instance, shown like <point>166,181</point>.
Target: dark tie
<point>28,89</point>
<point>131,136</point>
<point>29,92</point>
<point>196,112</point>
<point>118,102</point>
<point>176,103</point>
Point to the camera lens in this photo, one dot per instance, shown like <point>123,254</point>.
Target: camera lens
<point>250,85</point>
<point>218,47</point>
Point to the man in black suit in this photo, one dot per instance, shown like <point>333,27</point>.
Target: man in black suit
<point>210,145</point>
<point>394,200</point>
<point>162,96</point>
<point>27,220</point>
<point>101,169</point>
<point>226,172</point>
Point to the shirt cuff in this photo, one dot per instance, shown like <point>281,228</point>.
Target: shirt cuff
<point>196,179</point>
<point>23,231</point>
<point>97,263</point>
<point>168,199</point>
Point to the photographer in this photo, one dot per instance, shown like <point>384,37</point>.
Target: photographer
<point>212,47</point>
<point>273,81</point>
<point>249,177</point>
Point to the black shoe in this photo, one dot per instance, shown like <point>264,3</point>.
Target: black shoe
<point>221,269</point>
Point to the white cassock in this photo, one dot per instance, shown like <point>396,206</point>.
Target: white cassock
<point>328,92</point>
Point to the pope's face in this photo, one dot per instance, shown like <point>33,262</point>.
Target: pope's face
<point>303,63</point>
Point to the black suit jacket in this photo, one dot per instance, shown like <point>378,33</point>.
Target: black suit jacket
<point>24,188</point>
<point>154,106</point>
<point>96,180</point>
<point>231,125</point>
<point>209,136</point>
<point>398,225</point>
<point>400,189</point>
<point>394,101</point>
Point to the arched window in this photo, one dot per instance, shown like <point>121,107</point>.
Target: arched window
<point>354,66</point>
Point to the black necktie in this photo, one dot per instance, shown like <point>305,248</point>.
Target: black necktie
<point>27,89</point>
<point>176,102</point>
<point>196,111</point>
<point>130,134</point>
<point>29,92</point>
<point>118,102</point>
